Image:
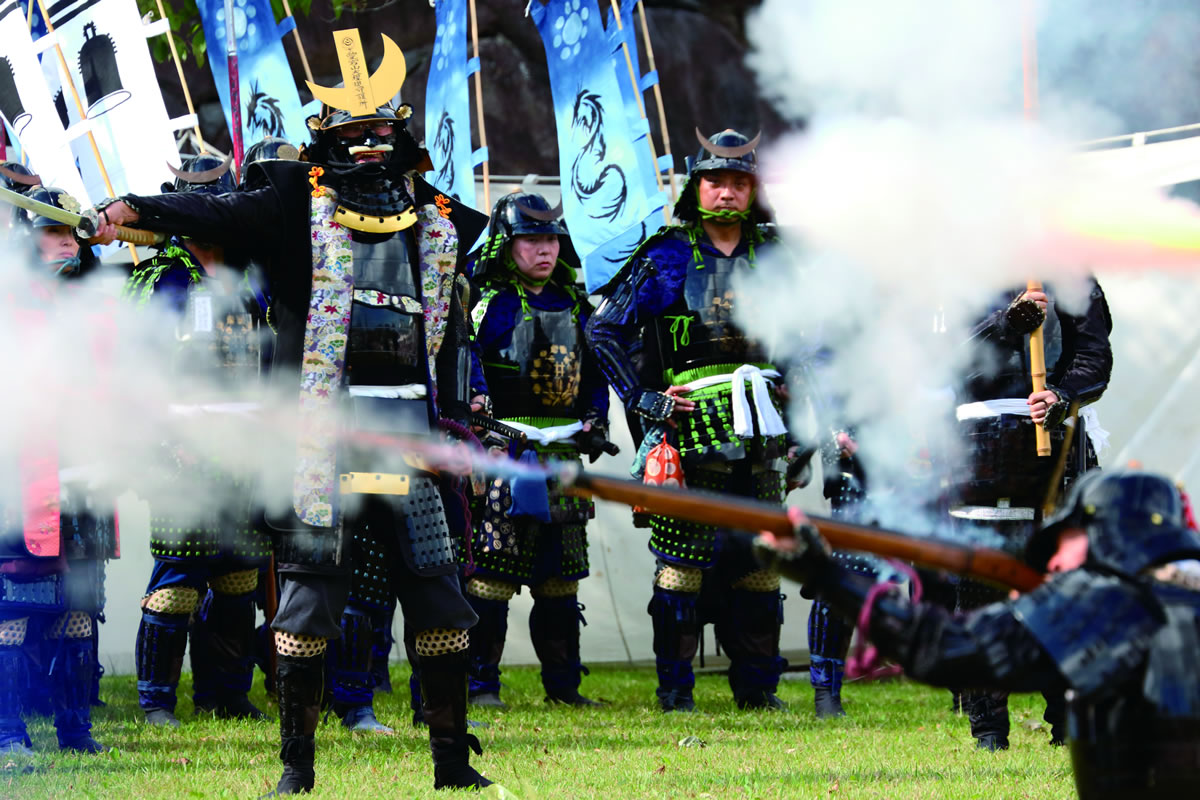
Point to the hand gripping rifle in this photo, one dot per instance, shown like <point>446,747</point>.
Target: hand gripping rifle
<point>985,564</point>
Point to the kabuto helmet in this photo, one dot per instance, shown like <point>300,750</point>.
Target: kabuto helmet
<point>204,173</point>
<point>525,214</point>
<point>17,177</point>
<point>51,196</point>
<point>1133,520</point>
<point>363,145</point>
<point>270,148</point>
<point>358,117</point>
<point>725,150</point>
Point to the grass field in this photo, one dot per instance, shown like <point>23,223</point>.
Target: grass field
<point>900,741</point>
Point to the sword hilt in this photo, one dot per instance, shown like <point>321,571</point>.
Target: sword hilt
<point>91,220</point>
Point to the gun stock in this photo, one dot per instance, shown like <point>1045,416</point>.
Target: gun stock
<point>985,564</point>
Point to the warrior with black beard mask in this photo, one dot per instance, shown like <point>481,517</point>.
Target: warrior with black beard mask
<point>674,301</point>
<point>373,336</point>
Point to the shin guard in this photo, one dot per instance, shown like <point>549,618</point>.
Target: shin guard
<point>161,641</point>
<point>676,640</point>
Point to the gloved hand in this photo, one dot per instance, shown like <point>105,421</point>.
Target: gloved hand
<point>1024,314</point>
<point>798,557</point>
<point>593,441</point>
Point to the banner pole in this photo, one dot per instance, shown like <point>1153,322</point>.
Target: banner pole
<point>287,10</point>
<point>637,93</point>
<point>658,99</point>
<point>83,118</point>
<point>235,87</point>
<point>487,194</point>
<point>1037,342</point>
<point>187,94</point>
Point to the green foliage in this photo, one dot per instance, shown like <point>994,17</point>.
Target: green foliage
<point>185,23</point>
<point>900,741</point>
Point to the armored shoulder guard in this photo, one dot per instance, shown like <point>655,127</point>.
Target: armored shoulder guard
<point>1096,628</point>
<point>640,257</point>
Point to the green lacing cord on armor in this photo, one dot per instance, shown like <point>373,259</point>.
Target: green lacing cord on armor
<point>143,281</point>
<point>677,337</point>
<point>521,293</point>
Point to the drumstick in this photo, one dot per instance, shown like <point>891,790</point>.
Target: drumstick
<point>1037,369</point>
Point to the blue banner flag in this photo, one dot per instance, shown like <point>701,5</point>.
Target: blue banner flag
<point>607,206</point>
<point>270,102</point>
<point>448,105</point>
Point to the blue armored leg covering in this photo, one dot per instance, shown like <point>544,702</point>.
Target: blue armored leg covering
<point>748,630</point>
<point>381,649</point>
<point>554,630</point>
<point>96,701</point>
<point>350,672</point>
<point>161,640</point>
<point>486,648</point>
<point>676,639</point>
<point>37,698</point>
<point>72,675</point>
<point>13,737</point>
<point>828,642</point>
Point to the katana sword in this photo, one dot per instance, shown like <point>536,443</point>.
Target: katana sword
<point>84,224</point>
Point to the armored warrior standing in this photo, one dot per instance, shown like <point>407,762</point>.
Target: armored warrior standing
<point>1113,630</point>
<point>543,380</point>
<point>716,389</point>
<point>1002,483</point>
<point>57,532</point>
<point>363,259</point>
<point>207,555</point>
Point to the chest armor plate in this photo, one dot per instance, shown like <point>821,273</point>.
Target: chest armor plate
<point>699,330</point>
<point>386,334</point>
<point>538,374</point>
<point>220,335</point>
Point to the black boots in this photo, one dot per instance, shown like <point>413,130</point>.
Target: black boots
<point>554,630</point>
<point>486,648</point>
<point>825,674</point>
<point>444,707</point>
<point>300,684</point>
<point>676,639</point>
<point>748,631</point>
<point>988,713</point>
<point>161,641</point>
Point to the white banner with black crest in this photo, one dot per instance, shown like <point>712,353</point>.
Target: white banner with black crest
<point>27,107</point>
<point>104,43</point>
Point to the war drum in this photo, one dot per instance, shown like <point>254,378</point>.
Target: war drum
<point>999,462</point>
